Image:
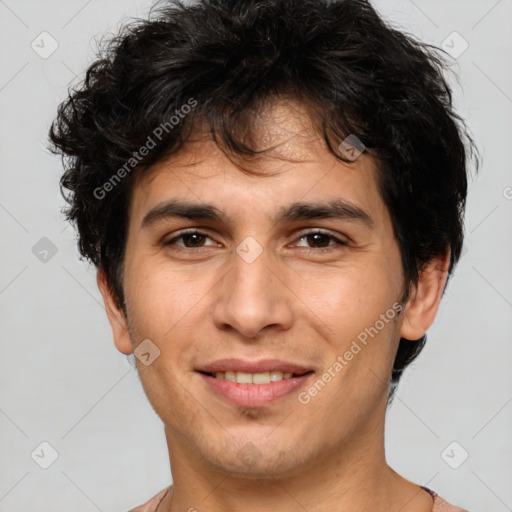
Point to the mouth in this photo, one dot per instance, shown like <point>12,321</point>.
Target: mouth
<point>254,378</point>
<point>253,384</point>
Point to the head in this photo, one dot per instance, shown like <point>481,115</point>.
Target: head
<point>242,108</point>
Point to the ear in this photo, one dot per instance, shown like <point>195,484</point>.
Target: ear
<point>421,307</point>
<point>116,316</point>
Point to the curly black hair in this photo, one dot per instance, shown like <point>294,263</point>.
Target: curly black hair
<point>225,59</point>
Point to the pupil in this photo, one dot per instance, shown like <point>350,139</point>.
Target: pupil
<point>317,239</point>
<point>191,236</point>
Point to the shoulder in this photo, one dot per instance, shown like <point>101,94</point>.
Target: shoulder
<point>151,505</point>
<point>441,505</point>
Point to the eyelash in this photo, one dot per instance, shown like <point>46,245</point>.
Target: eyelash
<point>304,235</point>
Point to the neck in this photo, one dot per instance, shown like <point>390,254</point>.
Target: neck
<point>354,477</point>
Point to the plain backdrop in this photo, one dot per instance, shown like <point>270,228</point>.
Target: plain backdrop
<point>62,381</point>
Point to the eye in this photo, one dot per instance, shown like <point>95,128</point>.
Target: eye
<point>191,240</point>
<point>321,239</point>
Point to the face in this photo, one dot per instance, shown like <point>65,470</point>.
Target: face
<point>256,288</point>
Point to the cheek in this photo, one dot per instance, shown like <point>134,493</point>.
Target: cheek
<point>165,307</point>
<point>149,309</point>
<point>356,313</point>
<point>362,314</point>
<point>163,304</point>
<point>348,299</point>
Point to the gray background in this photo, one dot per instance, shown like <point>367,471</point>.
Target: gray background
<point>62,380</point>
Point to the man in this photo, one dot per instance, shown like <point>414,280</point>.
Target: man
<point>272,193</point>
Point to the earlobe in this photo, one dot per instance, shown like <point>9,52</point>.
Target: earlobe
<point>115,315</point>
<point>421,308</point>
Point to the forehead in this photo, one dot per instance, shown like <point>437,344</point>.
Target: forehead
<point>296,165</point>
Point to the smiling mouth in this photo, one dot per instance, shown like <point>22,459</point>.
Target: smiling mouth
<point>254,378</point>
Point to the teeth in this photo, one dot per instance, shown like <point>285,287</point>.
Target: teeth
<point>244,378</point>
<point>253,378</point>
<point>276,376</point>
<point>229,376</point>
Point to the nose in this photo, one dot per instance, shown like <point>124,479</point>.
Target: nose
<point>252,297</point>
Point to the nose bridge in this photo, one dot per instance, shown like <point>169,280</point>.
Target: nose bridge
<point>251,296</point>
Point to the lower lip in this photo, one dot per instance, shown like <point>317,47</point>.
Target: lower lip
<point>254,395</point>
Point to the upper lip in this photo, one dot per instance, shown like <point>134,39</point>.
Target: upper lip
<point>260,366</point>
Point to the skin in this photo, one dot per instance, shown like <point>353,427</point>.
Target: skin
<point>297,301</point>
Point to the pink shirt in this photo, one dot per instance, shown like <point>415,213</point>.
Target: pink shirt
<point>440,505</point>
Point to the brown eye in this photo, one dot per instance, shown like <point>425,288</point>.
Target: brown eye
<point>191,240</point>
<point>320,240</point>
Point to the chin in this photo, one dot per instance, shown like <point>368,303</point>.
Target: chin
<point>251,460</point>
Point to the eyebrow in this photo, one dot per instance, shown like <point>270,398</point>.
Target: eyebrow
<point>335,209</point>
